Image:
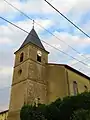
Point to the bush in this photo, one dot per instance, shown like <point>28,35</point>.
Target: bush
<point>29,112</point>
<point>58,110</point>
<point>73,103</point>
<point>81,114</point>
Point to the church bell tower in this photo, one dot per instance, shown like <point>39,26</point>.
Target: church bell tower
<point>29,83</point>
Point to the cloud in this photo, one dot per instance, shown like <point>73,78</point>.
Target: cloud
<point>72,40</point>
<point>5,76</point>
<point>5,41</point>
<point>75,42</point>
<point>82,6</point>
<point>41,7</point>
<point>4,98</point>
<point>11,38</point>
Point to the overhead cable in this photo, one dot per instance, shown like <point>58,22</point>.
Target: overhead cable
<point>44,28</point>
<point>44,41</point>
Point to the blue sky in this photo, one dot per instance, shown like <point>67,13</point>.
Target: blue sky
<point>11,38</point>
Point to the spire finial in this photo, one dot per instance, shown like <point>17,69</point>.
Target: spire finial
<point>33,24</point>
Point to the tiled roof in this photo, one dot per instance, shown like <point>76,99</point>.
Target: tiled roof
<point>34,39</point>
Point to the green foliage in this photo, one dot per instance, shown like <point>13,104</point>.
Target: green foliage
<point>81,114</point>
<point>29,112</point>
<point>73,103</point>
<point>59,110</point>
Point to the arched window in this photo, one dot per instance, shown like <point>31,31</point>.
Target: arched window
<point>38,58</point>
<point>75,87</point>
<point>21,57</point>
<point>39,54</point>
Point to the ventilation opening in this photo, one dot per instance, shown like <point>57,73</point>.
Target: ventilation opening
<point>20,72</point>
<point>38,58</point>
<point>21,57</point>
<point>86,88</point>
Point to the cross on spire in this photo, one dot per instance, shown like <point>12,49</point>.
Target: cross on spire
<point>33,24</point>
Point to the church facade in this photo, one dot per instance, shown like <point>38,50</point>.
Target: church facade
<point>36,80</point>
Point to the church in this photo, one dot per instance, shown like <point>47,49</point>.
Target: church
<point>36,80</point>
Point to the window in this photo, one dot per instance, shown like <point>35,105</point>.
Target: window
<point>38,58</point>
<point>86,88</point>
<point>75,87</point>
<point>39,54</point>
<point>21,57</point>
<point>20,72</point>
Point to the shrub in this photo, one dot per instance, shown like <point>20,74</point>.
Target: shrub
<point>58,110</point>
<point>81,114</point>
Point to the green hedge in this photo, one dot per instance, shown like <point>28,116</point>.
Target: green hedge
<point>58,110</point>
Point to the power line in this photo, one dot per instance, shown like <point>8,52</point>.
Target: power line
<point>43,27</point>
<point>68,19</point>
<point>44,41</point>
<point>82,60</point>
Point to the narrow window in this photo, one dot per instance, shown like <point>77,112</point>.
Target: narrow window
<point>21,57</point>
<point>20,72</point>
<point>38,58</point>
<point>75,87</point>
<point>86,88</point>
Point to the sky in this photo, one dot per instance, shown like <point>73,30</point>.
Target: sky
<point>65,35</point>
